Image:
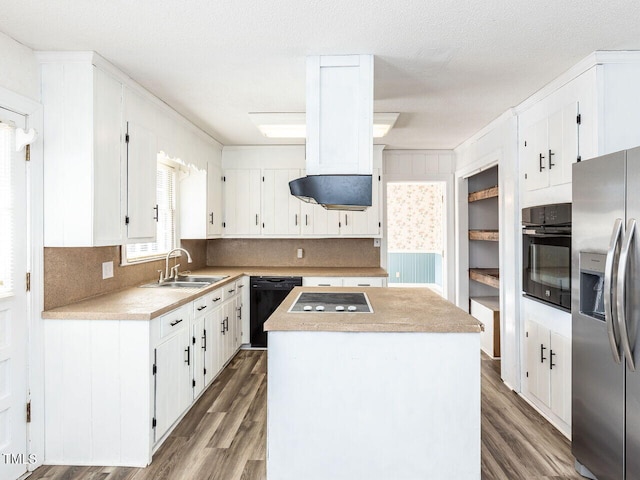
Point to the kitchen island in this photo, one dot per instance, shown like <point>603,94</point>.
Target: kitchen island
<point>389,394</point>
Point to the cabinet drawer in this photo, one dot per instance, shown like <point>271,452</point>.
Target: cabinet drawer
<point>202,305</point>
<point>229,290</point>
<point>322,281</point>
<point>215,297</point>
<point>487,311</point>
<point>364,282</point>
<point>175,320</point>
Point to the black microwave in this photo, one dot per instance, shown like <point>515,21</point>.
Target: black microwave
<point>546,254</point>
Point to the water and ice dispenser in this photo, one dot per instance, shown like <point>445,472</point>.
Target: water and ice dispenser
<point>592,284</point>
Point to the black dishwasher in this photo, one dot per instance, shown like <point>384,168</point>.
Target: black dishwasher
<point>267,293</point>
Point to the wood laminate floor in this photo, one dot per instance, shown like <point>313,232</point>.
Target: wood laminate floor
<point>223,437</point>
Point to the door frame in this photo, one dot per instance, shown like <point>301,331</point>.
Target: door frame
<point>35,299</point>
<point>444,174</point>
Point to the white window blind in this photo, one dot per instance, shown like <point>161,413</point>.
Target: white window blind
<point>166,233</point>
<point>7,147</point>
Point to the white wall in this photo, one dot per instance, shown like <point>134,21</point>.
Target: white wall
<point>19,69</point>
<point>424,166</point>
<point>495,144</point>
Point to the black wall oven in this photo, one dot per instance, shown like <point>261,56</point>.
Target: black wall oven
<point>546,254</point>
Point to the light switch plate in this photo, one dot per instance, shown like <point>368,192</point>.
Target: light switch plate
<point>107,270</point>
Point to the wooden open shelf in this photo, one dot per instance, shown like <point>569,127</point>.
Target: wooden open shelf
<point>488,235</point>
<point>487,276</point>
<point>483,194</point>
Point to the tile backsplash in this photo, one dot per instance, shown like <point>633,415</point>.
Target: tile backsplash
<point>325,252</point>
<point>73,274</point>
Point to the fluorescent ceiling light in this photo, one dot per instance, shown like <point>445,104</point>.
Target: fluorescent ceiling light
<point>293,125</point>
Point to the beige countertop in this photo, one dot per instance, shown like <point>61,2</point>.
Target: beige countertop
<point>394,310</point>
<point>146,303</point>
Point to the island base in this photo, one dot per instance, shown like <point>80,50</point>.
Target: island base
<point>375,406</point>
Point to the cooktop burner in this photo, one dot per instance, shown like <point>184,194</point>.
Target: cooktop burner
<point>331,302</point>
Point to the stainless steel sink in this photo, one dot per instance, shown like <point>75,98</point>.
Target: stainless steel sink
<point>186,281</point>
<point>199,278</point>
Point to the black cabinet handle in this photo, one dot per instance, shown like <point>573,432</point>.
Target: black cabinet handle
<point>202,308</point>
<point>540,162</point>
<point>217,299</point>
<point>296,215</point>
<point>551,364</point>
<point>231,291</point>
<point>306,219</point>
<point>175,322</point>
<point>550,163</point>
<point>211,215</point>
<point>222,331</point>
<point>155,217</point>
<point>204,340</point>
<point>256,219</point>
<point>188,360</point>
<point>542,349</point>
<point>346,220</point>
<point>239,310</point>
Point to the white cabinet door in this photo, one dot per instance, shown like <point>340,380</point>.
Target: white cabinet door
<point>198,355</point>
<point>563,144</point>
<point>244,293</point>
<point>142,207</point>
<point>107,173</point>
<point>242,202</point>
<point>318,221</point>
<point>214,199</point>
<point>193,208</point>
<point>211,344</point>
<point>173,380</point>
<point>532,356</point>
<point>534,155</point>
<point>280,209</point>
<point>560,373</point>
<point>550,147</point>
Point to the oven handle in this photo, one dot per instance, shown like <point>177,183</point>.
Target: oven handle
<point>622,314</point>
<point>609,312</point>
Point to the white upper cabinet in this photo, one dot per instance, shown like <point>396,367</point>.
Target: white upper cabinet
<point>83,142</point>
<point>214,197</point>
<point>339,114</point>
<point>242,202</point>
<point>141,161</point>
<point>549,148</point>
<point>201,199</point>
<point>280,209</point>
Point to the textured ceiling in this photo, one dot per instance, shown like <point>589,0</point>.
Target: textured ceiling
<point>448,66</point>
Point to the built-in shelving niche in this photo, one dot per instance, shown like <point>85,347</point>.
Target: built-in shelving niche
<point>484,253</point>
<point>483,233</point>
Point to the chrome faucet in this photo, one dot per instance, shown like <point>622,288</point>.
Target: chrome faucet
<point>174,270</point>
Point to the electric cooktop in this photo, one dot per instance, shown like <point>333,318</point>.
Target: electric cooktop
<point>331,302</point>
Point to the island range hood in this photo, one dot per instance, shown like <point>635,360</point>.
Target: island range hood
<point>339,148</point>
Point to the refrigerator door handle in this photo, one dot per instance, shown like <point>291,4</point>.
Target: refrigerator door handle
<point>612,330</point>
<point>622,314</point>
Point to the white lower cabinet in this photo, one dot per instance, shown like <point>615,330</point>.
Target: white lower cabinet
<point>548,368</point>
<point>115,388</point>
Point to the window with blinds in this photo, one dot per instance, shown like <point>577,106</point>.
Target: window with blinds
<point>7,138</point>
<point>166,233</point>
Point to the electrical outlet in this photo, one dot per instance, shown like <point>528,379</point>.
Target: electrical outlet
<point>107,270</point>
<point>377,242</point>
<point>397,274</point>
<point>300,253</point>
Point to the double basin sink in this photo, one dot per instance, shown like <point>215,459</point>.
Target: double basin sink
<point>186,281</point>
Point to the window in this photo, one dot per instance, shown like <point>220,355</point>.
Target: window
<point>166,233</point>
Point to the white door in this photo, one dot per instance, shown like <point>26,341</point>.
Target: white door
<point>14,245</point>
<point>280,209</point>
<point>242,202</point>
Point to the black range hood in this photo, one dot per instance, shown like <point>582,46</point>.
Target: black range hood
<point>334,192</point>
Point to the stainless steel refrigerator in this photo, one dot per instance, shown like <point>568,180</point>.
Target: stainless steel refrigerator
<point>605,306</point>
